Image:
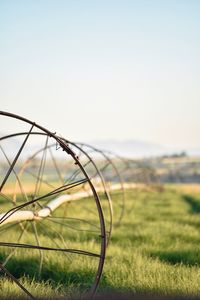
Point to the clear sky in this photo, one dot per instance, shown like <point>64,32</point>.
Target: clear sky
<point>104,69</point>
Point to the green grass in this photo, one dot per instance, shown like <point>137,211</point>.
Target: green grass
<point>155,250</point>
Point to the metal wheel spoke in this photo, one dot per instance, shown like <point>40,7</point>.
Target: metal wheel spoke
<point>16,281</point>
<point>102,169</point>
<point>52,240</point>
<point>42,180</point>
<point>67,250</point>
<point>7,227</point>
<point>71,227</point>
<point>6,197</point>
<point>41,169</point>
<point>38,243</point>
<point>15,159</point>
<point>17,177</point>
<point>75,219</point>
<point>14,250</point>
<point>90,210</point>
<point>56,167</point>
<point>76,173</point>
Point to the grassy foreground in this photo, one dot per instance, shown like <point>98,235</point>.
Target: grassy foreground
<point>155,250</point>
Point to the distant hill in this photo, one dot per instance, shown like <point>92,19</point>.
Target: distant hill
<point>128,148</point>
<point>140,149</point>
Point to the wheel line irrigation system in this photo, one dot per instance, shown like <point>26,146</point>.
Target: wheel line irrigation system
<point>70,186</point>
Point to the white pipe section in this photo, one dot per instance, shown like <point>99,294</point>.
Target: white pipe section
<point>18,216</point>
<point>29,215</point>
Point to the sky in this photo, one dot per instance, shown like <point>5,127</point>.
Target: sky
<point>100,70</point>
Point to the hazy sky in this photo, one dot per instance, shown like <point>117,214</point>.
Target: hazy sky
<point>104,69</point>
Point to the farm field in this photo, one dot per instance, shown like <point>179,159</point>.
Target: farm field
<point>155,250</point>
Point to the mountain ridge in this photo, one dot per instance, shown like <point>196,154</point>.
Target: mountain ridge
<point>141,149</point>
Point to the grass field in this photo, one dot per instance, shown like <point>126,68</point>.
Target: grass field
<point>155,250</point>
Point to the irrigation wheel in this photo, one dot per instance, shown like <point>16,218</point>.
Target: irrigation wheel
<point>52,227</point>
<point>98,181</point>
<point>107,162</point>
